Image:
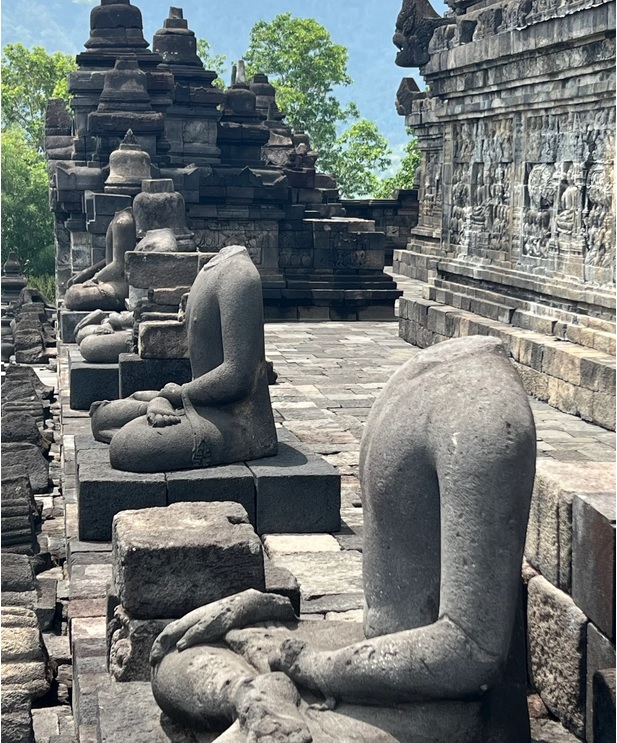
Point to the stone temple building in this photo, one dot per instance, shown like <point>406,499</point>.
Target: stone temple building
<point>245,177</point>
<point>516,227</point>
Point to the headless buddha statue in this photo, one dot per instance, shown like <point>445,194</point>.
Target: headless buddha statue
<point>108,289</point>
<point>103,336</point>
<point>224,414</point>
<point>447,465</point>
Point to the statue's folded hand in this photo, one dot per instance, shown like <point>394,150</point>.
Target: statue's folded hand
<point>160,413</point>
<point>212,622</point>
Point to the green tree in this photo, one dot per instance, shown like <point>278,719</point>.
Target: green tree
<point>304,65</point>
<point>29,78</point>
<point>404,176</point>
<point>27,223</point>
<point>215,62</point>
<point>356,155</point>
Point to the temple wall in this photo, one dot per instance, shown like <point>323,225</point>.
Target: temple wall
<point>516,239</point>
<point>517,135</point>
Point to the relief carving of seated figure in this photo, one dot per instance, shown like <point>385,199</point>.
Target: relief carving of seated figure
<point>103,336</point>
<point>447,464</point>
<point>108,289</point>
<point>224,414</point>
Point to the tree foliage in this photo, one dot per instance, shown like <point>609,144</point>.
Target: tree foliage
<point>404,176</point>
<point>29,78</point>
<point>356,156</point>
<point>27,223</point>
<point>215,62</point>
<point>304,65</point>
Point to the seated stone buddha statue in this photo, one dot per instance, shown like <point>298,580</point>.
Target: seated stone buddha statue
<point>224,414</point>
<point>108,289</point>
<point>447,465</point>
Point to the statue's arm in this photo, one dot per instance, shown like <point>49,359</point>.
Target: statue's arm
<point>242,335</point>
<point>86,274</point>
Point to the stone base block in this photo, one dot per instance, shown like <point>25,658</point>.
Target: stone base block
<point>604,706</point>
<point>294,492</point>
<point>68,321</point>
<point>102,492</point>
<point>136,374</point>
<point>233,482</point>
<point>167,562</point>
<point>593,558</point>
<point>91,382</point>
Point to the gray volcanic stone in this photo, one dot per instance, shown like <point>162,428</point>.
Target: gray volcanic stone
<point>25,661</point>
<point>557,636</point>
<point>17,573</point>
<point>16,715</point>
<point>600,654</point>
<point>232,482</point>
<point>20,427</point>
<point>18,511</point>
<point>90,383</point>
<point>102,492</point>
<point>32,459</point>
<point>593,558</point>
<point>21,383</point>
<point>136,374</point>
<point>170,561</point>
<point>297,492</point>
<point>604,706</point>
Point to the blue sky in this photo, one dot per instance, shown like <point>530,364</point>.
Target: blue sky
<point>365,27</point>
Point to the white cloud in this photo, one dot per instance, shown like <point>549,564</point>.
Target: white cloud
<point>84,2</point>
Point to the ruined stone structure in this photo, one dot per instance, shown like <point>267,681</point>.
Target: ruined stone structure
<point>516,221</point>
<point>243,175</point>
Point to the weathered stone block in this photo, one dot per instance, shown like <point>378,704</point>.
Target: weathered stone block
<point>557,631</point>
<point>296,491</point>
<point>136,373</point>
<point>102,492</point>
<point>91,382</point>
<point>67,322</point>
<point>604,706</point>
<point>163,340</point>
<point>170,561</point>
<point>593,558</point>
<point>29,456</point>
<point>16,715</point>
<point>162,270</point>
<point>548,545</point>
<point>233,482</point>
<point>24,658</point>
<point>600,654</point>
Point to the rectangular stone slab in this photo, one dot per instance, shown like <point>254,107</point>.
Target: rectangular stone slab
<point>91,382</point>
<point>233,482</point>
<point>167,562</point>
<point>102,492</point>
<point>67,321</point>
<point>296,492</point>
<point>136,374</point>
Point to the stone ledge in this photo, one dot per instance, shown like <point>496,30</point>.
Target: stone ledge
<point>90,382</point>
<point>571,378</point>
<point>295,491</point>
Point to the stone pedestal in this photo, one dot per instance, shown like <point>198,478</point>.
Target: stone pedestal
<point>136,374</point>
<point>90,382</point>
<point>293,492</point>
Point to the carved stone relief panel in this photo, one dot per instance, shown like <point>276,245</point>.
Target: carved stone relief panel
<point>569,208</point>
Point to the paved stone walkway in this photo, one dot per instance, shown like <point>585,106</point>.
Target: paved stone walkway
<point>329,376</point>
